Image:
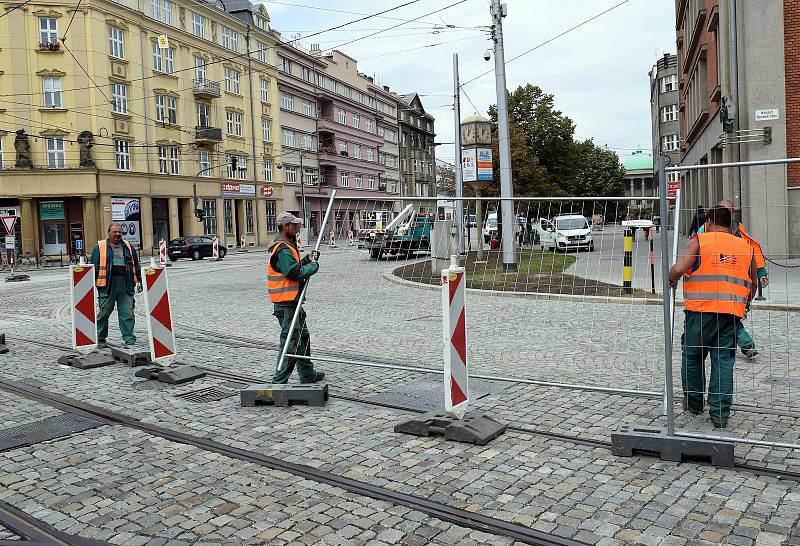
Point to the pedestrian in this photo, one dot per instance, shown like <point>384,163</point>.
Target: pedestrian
<point>116,267</point>
<point>719,281</point>
<point>743,339</point>
<point>286,276</point>
<point>698,221</point>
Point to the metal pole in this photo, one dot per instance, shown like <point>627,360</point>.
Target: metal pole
<point>281,365</point>
<point>458,165</point>
<point>668,389</point>
<point>734,82</point>
<point>303,191</point>
<point>506,186</point>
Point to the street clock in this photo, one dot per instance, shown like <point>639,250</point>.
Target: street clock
<point>476,130</point>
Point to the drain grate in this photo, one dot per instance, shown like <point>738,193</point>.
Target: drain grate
<point>208,394</point>
<point>50,428</point>
<point>426,394</point>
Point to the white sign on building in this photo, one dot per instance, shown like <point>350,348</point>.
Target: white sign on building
<point>767,114</point>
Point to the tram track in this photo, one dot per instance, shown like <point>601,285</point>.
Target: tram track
<point>36,532</point>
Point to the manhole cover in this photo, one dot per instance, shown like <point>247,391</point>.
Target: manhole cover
<point>50,428</point>
<point>208,394</point>
<point>427,394</point>
<point>149,386</point>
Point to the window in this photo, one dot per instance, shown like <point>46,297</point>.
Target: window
<point>370,154</point>
<point>308,142</point>
<point>368,125</point>
<point>669,143</point>
<point>209,216</point>
<point>48,30</point>
<point>348,92</point>
<point>308,108</point>
<point>272,216</point>
<point>163,59</point>
<point>261,52</point>
<point>344,179</point>
<point>248,217</point>
<point>357,181</point>
<point>342,147</point>
<point>166,109</point>
<point>203,118</point>
<point>341,116</point>
<point>161,10</point>
<point>55,152</point>
<point>168,160</point>
<point>199,69</point>
<point>381,131</point>
<point>392,185</point>
<point>332,85</point>
<point>286,65</point>
<point>263,86</point>
<point>357,151</point>
<point>308,177</point>
<point>205,163</point>
<point>669,113</point>
<point>119,98</point>
<point>668,83</point>
<point>305,73</point>
<point>673,177</point>
<point>230,38</point>
<point>231,81</point>
<point>234,123</point>
<point>266,134</point>
<point>356,121</point>
<point>287,101</point>
<point>288,138</point>
<point>291,175</point>
<point>1,152</point>
<point>116,43</point>
<point>268,170</point>
<point>198,25</point>
<point>370,182</point>
<point>123,155</point>
<point>51,88</point>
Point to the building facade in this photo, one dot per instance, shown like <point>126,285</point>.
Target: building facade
<point>665,125</point>
<point>148,98</point>
<point>417,150</point>
<point>767,36</point>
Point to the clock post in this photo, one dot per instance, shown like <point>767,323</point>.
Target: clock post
<point>476,165</point>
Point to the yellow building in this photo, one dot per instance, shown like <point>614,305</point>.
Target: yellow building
<point>159,90</point>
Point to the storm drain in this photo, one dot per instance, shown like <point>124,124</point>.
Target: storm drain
<point>208,394</point>
<point>426,394</point>
<point>50,428</point>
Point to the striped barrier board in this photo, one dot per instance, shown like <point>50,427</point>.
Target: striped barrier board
<point>158,311</point>
<point>83,300</point>
<point>456,387</point>
<point>162,252</point>
<point>627,265</point>
<point>215,249</point>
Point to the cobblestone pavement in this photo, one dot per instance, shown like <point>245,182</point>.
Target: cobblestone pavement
<point>554,486</point>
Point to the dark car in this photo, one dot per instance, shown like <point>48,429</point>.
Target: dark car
<point>195,248</point>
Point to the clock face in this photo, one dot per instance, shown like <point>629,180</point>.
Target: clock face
<point>484,133</point>
<point>468,134</point>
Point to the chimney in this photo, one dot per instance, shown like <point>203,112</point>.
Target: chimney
<point>386,88</point>
<point>315,51</point>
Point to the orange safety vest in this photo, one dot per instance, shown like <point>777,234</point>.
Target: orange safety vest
<point>280,288</point>
<point>102,270</point>
<point>759,254</point>
<point>722,282</point>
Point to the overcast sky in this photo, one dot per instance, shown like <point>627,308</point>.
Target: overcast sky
<point>598,72</point>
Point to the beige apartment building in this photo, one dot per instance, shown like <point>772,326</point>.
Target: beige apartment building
<point>116,121</point>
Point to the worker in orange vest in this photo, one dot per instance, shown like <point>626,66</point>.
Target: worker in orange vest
<point>286,274</point>
<point>719,281</point>
<point>116,267</point>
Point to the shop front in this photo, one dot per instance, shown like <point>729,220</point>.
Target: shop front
<point>61,225</point>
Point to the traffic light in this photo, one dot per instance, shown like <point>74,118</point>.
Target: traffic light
<point>200,214</point>
<point>234,162</point>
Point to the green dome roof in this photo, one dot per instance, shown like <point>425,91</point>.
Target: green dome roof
<point>638,161</point>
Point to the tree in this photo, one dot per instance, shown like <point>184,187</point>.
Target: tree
<point>445,179</point>
<point>599,173</point>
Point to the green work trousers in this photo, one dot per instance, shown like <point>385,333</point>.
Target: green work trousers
<point>706,333</point>
<point>743,339</point>
<point>300,344</point>
<point>117,295</point>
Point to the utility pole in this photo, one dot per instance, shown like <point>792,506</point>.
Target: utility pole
<point>734,82</point>
<point>458,173</point>
<point>506,187</point>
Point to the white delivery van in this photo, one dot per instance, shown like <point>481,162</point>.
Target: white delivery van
<point>565,232</point>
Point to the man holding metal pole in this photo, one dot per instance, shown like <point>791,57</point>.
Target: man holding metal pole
<point>719,281</point>
<point>286,276</point>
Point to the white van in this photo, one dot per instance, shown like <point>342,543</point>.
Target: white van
<point>565,232</point>
<point>490,226</point>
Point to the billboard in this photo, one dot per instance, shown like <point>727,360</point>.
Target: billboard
<point>235,189</point>
<point>125,211</point>
<point>468,165</point>
<point>484,164</point>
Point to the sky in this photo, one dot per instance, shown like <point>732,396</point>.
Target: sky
<point>598,72</point>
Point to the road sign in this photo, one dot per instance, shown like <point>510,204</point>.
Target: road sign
<point>159,314</point>
<point>8,223</point>
<point>456,387</point>
<point>11,242</point>
<point>672,188</point>
<point>78,244</point>
<point>83,305</point>
<point>266,191</point>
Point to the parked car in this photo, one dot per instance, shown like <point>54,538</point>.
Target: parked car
<point>565,232</point>
<point>195,248</point>
<point>490,226</point>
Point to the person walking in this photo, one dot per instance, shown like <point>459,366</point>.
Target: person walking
<point>286,275</point>
<point>719,281</point>
<point>698,221</point>
<point>116,273</point>
<point>743,338</point>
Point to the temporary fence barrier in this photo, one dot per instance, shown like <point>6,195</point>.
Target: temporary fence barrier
<point>83,306</point>
<point>158,311</point>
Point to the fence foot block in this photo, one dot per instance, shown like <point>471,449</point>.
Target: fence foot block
<point>175,374</point>
<point>17,278</point>
<point>86,362</point>
<point>284,395</point>
<point>474,428</point>
<point>3,348</point>
<point>630,439</point>
<point>131,357</point>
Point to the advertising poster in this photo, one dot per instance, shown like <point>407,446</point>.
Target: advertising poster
<point>468,165</point>
<point>485,171</point>
<point>125,212</point>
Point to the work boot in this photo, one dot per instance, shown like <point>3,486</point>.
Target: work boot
<point>750,352</point>
<point>101,344</point>
<point>318,377</point>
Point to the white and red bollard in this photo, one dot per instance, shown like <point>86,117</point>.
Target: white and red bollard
<point>243,243</point>
<point>332,239</point>
<point>456,384</point>
<point>83,307</point>
<point>350,237</point>
<point>158,311</point>
<point>162,253</point>
<point>215,249</point>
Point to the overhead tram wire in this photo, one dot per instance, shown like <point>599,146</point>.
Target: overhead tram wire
<point>420,47</point>
<point>16,7</point>
<point>534,48</point>
<point>469,99</point>
<point>346,12</point>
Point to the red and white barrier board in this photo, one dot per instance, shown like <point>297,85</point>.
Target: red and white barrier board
<point>158,311</point>
<point>456,387</point>
<point>162,252</point>
<point>215,249</point>
<point>83,300</point>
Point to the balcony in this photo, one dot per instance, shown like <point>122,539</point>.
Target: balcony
<point>208,134</point>
<point>206,89</point>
